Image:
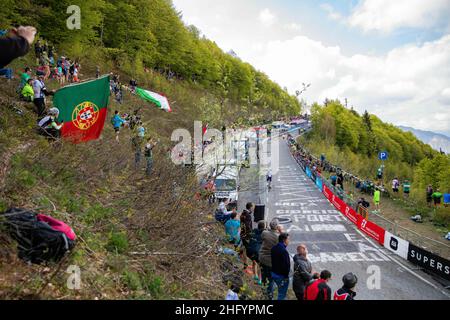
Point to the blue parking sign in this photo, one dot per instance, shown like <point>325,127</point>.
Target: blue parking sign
<point>383,156</point>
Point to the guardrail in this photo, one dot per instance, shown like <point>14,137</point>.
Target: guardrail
<point>417,249</point>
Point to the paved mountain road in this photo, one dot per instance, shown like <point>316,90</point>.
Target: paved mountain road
<point>334,243</point>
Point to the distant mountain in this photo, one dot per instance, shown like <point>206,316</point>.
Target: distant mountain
<point>435,140</point>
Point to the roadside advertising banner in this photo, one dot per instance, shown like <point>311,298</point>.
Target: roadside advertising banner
<point>397,245</point>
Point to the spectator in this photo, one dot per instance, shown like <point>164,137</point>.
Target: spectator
<point>429,195</point>
<point>281,265</point>
<point>269,240</point>
<point>45,63</point>
<point>137,142</point>
<point>97,72</point>
<point>133,85</point>
<point>49,127</point>
<point>252,250</point>
<point>75,73</point>
<point>148,153</point>
<point>302,271</point>
<point>406,189</point>
<point>27,93</point>
<point>333,179</point>
<point>117,122</point>
<point>380,173</point>
<point>395,185</point>
<point>437,197</point>
<point>247,221</point>
<point>232,228</point>
<point>40,91</point>
<point>340,180</point>
<point>377,199</point>
<point>65,64</point>
<point>119,93</point>
<point>38,51</point>
<point>246,231</point>
<point>24,77</point>
<point>347,292</point>
<point>16,45</point>
<point>319,289</point>
<point>51,55</point>
<point>210,189</point>
<point>60,75</point>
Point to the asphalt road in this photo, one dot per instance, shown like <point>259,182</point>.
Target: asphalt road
<point>334,243</point>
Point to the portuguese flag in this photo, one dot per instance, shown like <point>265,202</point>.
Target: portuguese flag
<point>156,98</point>
<point>83,108</point>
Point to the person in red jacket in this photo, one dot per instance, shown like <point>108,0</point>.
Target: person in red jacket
<point>347,292</point>
<point>319,289</point>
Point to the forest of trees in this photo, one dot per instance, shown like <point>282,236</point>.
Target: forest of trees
<point>151,34</point>
<point>353,141</point>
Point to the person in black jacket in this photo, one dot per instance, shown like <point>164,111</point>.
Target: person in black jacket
<point>16,45</point>
<point>347,292</point>
<point>281,265</point>
<point>302,272</point>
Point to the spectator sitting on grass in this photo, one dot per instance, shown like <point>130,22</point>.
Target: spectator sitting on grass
<point>27,93</point>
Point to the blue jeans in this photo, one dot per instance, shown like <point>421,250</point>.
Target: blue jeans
<point>283,286</point>
<point>266,274</point>
<point>8,73</point>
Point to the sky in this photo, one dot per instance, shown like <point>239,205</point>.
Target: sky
<point>391,58</point>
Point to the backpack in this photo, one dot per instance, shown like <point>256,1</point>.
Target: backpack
<point>40,238</point>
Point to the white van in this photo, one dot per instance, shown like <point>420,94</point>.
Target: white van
<point>227,183</point>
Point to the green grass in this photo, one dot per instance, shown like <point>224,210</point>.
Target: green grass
<point>118,242</point>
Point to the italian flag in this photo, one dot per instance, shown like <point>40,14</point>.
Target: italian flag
<point>83,108</point>
<point>155,98</point>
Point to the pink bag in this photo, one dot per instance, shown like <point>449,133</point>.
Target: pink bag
<point>58,226</point>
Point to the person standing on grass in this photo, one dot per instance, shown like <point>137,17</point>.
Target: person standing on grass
<point>137,142</point>
<point>148,153</point>
<point>232,230</point>
<point>253,248</point>
<point>281,265</point>
<point>117,122</point>
<point>437,197</point>
<point>406,189</point>
<point>429,195</point>
<point>269,240</point>
<point>395,186</point>
<point>246,231</point>
<point>40,91</point>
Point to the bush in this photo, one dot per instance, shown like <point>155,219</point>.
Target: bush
<point>132,280</point>
<point>96,214</point>
<point>118,242</point>
<point>442,217</point>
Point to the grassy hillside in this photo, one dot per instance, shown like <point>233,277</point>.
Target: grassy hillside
<point>139,238</point>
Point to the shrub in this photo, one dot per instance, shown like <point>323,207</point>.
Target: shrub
<point>118,242</point>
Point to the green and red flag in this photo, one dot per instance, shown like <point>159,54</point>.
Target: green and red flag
<point>158,99</point>
<point>83,108</point>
